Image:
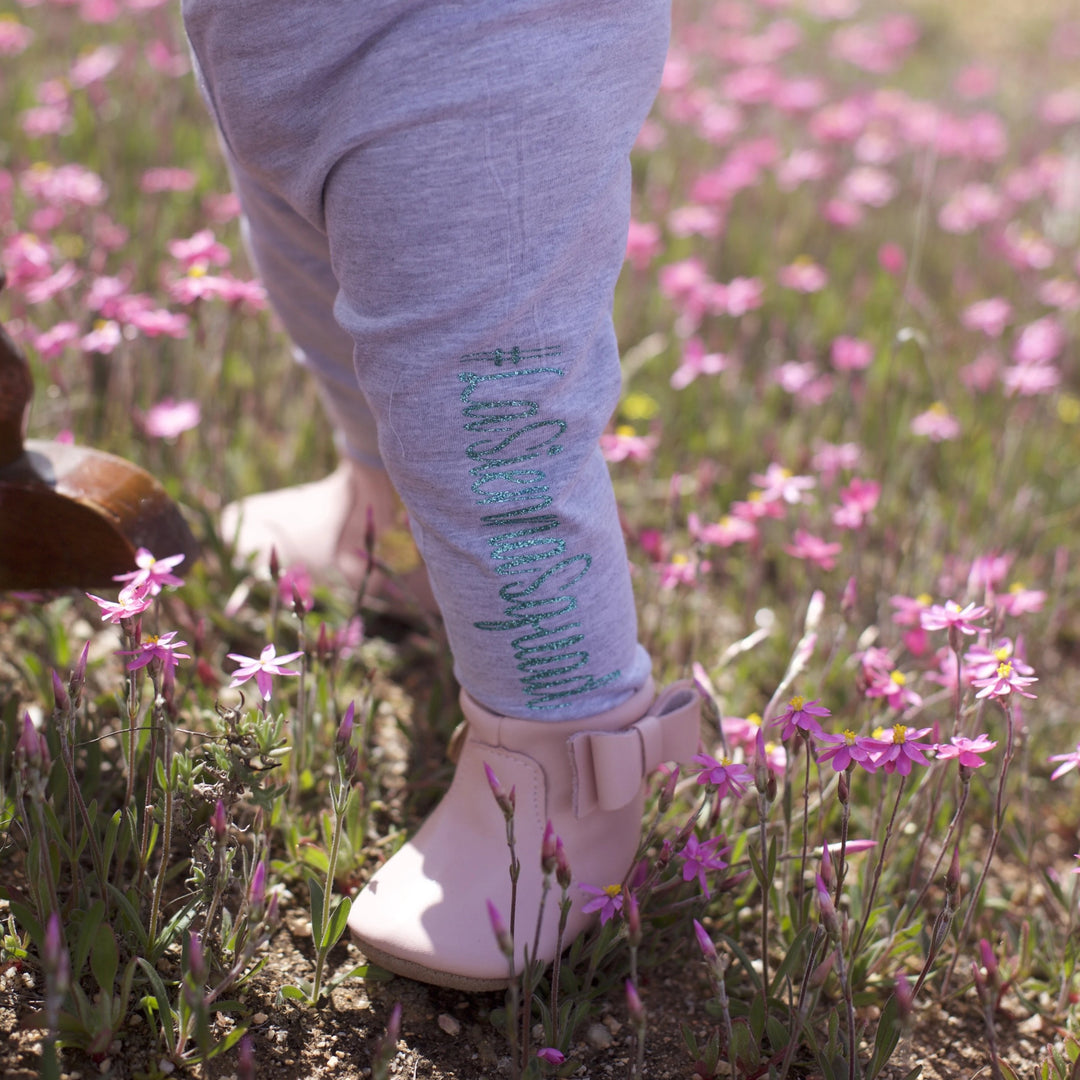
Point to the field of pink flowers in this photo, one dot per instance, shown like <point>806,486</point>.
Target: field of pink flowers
<point>848,461</point>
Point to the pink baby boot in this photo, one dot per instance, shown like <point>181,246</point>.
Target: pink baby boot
<point>323,526</point>
<point>424,913</point>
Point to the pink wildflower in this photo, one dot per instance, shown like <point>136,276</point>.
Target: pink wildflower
<point>1006,680</point>
<point>936,424</point>
<point>607,900</point>
<point>727,777</point>
<point>950,616</point>
<point>160,648</point>
<point>1019,600</point>
<point>801,716</point>
<point>262,668</point>
<point>820,552</point>
<point>851,354</point>
<point>152,574</point>
<point>128,605</point>
<point>723,533</point>
<point>168,418</point>
<point>989,316</point>
<point>900,749</point>
<point>778,482</point>
<point>846,750</point>
<point>803,275</point>
<point>700,857</point>
<point>965,750</point>
<point>1069,761</point>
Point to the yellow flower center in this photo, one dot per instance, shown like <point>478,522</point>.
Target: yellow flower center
<point>898,677</point>
<point>849,736</point>
<point>1002,654</point>
<point>196,271</point>
<point>899,733</point>
<point>1004,670</point>
<point>754,496</point>
<point>679,560</point>
<point>924,599</point>
<point>613,890</point>
<point>755,719</point>
<point>1017,587</point>
<point>797,703</point>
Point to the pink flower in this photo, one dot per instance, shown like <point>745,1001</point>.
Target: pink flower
<point>104,338</point>
<point>851,354</point>
<point>607,900</point>
<point>1030,380</point>
<point>201,249</point>
<point>152,574</point>
<point>696,362</point>
<point>682,570</point>
<point>950,616</point>
<point>891,259</point>
<point>14,37</point>
<point>820,552</point>
<point>868,186</point>
<point>965,750</point>
<point>624,444</point>
<point>128,605</point>
<point>800,716</point>
<point>846,750</point>
<point>1020,601</point>
<point>803,275</point>
<point>1039,342</point>
<point>936,424</point>
<point>724,533</point>
<point>982,662</point>
<point>1006,680</point>
<point>900,750</point>
<point>168,418</point>
<point>551,1055</point>
<point>742,295</point>
<point>1068,761</point>
<point>778,483</point>
<point>989,316</point>
<point>857,502</point>
<point>700,857</point>
<point>726,776</point>
<point>161,648</point>
<point>267,664</point>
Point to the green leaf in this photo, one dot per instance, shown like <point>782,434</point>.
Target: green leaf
<point>164,1008</point>
<point>888,1034</point>
<point>1007,1070</point>
<point>88,929</point>
<point>105,959</point>
<point>293,993</point>
<point>336,926</point>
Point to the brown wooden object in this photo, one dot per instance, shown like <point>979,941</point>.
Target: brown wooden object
<point>71,517</point>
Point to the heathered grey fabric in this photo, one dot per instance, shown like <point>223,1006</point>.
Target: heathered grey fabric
<point>437,197</point>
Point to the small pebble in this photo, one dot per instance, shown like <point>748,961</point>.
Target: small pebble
<point>598,1037</point>
<point>260,1018</point>
<point>449,1024</point>
<point>166,1066</point>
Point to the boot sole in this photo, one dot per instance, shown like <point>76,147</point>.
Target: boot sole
<point>418,972</point>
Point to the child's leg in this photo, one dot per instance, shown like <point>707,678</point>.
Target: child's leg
<point>469,163</point>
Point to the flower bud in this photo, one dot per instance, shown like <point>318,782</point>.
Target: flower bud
<point>547,850</point>
<point>506,802</point>
<point>196,958</point>
<point>60,694</point>
<point>827,875</point>
<point>551,1055</point>
<point>989,960</point>
<point>393,1024</point>
<point>562,866</point>
<point>369,533</point>
<point>257,888</point>
<point>905,1001</point>
<point>761,763</point>
<point>829,919</point>
<point>633,1004</point>
<point>843,788</point>
<point>275,564</point>
<point>345,729</point>
<point>498,927</point>
<point>246,1064</point>
<point>705,943</point>
<point>219,822</point>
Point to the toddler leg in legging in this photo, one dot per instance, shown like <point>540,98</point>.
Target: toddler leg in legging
<point>470,167</point>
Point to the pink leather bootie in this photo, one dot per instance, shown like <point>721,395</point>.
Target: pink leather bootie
<point>322,526</point>
<point>424,913</point>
